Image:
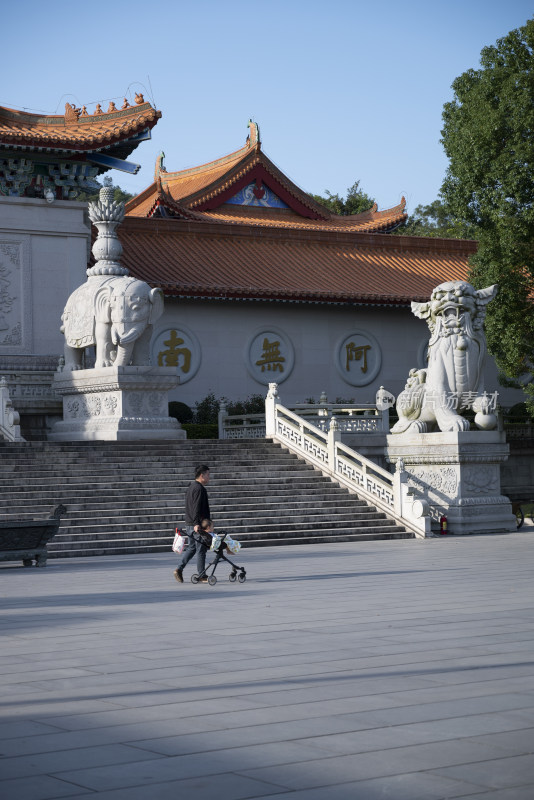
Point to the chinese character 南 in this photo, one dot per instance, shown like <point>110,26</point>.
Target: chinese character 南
<point>271,357</point>
<point>356,353</point>
<point>171,356</point>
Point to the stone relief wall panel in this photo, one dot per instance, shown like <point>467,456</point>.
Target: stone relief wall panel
<point>435,480</point>
<point>90,406</point>
<point>480,480</point>
<point>15,295</point>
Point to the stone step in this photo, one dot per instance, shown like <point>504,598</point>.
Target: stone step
<point>123,543</point>
<point>163,522</point>
<point>165,536</point>
<point>128,497</point>
<point>252,505</point>
<point>161,489</point>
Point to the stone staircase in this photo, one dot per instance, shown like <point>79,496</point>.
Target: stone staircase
<point>127,497</point>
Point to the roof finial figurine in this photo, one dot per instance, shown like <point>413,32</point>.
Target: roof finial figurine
<point>84,111</point>
<point>111,107</point>
<point>139,99</point>
<point>125,104</point>
<point>71,113</point>
<point>98,109</point>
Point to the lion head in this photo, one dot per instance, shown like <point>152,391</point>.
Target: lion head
<point>455,306</point>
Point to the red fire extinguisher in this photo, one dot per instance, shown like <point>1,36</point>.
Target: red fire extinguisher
<point>443,524</point>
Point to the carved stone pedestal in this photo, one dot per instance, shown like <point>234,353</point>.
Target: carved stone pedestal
<point>459,475</point>
<point>116,403</point>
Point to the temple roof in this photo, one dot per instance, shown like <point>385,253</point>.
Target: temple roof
<point>245,187</point>
<point>198,260</point>
<point>77,133</point>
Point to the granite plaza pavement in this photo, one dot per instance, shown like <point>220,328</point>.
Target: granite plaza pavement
<point>396,669</point>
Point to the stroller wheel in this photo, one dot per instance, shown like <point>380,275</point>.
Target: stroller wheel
<point>212,580</point>
<point>232,577</point>
<point>194,578</point>
<point>242,577</point>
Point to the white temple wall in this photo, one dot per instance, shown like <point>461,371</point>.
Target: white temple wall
<point>43,258</point>
<point>44,249</point>
<point>320,345</point>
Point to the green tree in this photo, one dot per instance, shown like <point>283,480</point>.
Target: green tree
<point>488,136</point>
<point>119,194</point>
<point>355,202</point>
<point>436,220</point>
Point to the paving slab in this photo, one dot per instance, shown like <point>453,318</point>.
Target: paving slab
<point>401,669</point>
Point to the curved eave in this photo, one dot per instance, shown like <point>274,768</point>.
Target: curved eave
<point>54,134</point>
<point>255,295</point>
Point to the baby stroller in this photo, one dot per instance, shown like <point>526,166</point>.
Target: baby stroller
<point>219,547</point>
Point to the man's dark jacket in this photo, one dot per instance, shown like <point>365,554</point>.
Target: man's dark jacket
<point>197,506</point>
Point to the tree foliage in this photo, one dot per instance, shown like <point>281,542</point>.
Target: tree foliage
<point>488,136</point>
<point>119,194</point>
<point>435,220</point>
<point>355,202</point>
<point>207,410</point>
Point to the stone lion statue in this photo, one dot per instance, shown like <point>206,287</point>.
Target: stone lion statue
<point>452,381</point>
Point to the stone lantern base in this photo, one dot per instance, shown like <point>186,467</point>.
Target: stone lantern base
<point>459,475</point>
<point>116,403</point>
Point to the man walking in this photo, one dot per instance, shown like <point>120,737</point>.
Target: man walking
<point>197,508</point>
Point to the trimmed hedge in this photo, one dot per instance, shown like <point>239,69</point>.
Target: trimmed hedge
<point>206,430</point>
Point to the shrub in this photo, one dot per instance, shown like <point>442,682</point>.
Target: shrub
<point>204,431</point>
<point>180,411</point>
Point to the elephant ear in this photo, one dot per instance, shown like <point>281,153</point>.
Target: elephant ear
<point>421,310</point>
<point>156,298</point>
<point>102,305</point>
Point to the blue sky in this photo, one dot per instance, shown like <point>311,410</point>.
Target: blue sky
<point>342,90</point>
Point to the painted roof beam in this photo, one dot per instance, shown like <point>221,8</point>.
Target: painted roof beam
<point>114,163</point>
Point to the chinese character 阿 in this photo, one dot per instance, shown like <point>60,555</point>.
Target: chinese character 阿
<point>271,357</point>
<point>356,353</point>
<point>171,357</point>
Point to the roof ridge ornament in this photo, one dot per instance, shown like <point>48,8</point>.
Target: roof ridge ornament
<point>253,138</point>
<point>160,166</point>
<point>71,113</point>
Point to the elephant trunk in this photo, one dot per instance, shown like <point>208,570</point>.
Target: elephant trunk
<point>123,335</point>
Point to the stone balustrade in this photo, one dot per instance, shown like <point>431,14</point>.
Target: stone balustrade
<point>325,451</point>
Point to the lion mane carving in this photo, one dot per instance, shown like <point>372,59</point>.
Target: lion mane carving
<point>452,381</point>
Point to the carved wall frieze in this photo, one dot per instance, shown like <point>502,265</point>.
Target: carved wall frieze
<point>69,386</point>
<point>15,294</point>
<point>443,479</point>
<point>484,501</point>
<point>89,406</point>
<point>480,480</point>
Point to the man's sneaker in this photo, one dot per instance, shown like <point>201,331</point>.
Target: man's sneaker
<point>178,575</point>
<point>203,580</point>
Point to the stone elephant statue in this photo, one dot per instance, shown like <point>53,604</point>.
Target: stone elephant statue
<point>114,313</point>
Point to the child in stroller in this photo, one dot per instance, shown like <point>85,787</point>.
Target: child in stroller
<point>221,544</point>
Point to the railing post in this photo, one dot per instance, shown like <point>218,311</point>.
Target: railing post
<point>384,401</point>
<point>271,402</point>
<point>334,436</point>
<point>406,505</point>
<point>9,418</point>
<point>399,477</point>
<point>221,419</point>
